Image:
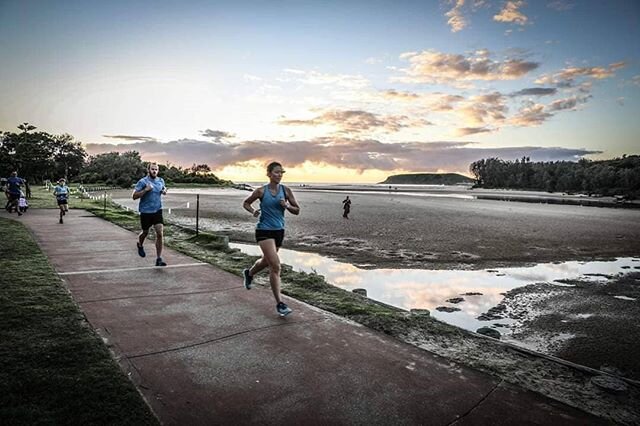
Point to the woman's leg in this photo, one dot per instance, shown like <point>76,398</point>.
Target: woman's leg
<point>270,256</point>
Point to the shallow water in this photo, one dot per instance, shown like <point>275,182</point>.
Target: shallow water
<point>428,289</point>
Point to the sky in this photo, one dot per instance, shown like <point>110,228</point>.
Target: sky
<point>337,91</point>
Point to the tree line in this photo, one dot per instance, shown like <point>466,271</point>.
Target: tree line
<point>39,156</point>
<point>619,176</point>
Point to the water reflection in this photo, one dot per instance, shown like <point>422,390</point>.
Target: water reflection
<point>428,289</point>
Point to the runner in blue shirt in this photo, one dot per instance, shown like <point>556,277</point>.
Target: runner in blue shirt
<point>150,190</point>
<point>61,192</point>
<point>13,192</point>
<point>274,200</point>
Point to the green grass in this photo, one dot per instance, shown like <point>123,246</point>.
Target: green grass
<point>53,368</point>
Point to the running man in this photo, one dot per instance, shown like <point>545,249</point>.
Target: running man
<point>61,192</point>
<point>274,200</point>
<point>150,190</point>
<point>13,192</point>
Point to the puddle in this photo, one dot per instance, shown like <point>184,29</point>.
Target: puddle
<point>430,289</point>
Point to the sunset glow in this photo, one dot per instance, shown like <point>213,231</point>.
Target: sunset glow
<point>337,91</point>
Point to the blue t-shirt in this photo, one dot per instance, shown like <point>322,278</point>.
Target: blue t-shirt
<point>271,212</point>
<point>14,185</point>
<point>61,192</point>
<point>150,202</point>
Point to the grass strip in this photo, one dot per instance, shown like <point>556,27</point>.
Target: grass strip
<point>53,368</point>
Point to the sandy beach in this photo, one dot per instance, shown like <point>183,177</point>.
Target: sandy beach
<point>431,230</point>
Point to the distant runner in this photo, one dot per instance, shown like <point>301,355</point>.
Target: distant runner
<point>61,192</point>
<point>150,190</point>
<point>346,205</point>
<point>13,192</point>
<point>274,200</point>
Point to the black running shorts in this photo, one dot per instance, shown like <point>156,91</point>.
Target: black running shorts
<point>268,234</point>
<point>149,219</point>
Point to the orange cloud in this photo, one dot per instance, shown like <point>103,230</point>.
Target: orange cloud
<point>510,13</point>
<point>456,20</point>
<point>355,121</point>
<point>530,116</point>
<point>443,68</point>
<point>567,76</point>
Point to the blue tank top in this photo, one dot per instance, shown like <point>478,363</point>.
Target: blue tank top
<point>271,212</point>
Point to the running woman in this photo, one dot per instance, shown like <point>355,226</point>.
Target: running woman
<point>150,190</point>
<point>274,200</point>
<point>61,192</point>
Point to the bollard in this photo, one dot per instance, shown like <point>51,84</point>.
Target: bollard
<point>197,213</point>
<point>104,209</point>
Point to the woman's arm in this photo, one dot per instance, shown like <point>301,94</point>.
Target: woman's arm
<point>292,206</point>
<point>256,195</point>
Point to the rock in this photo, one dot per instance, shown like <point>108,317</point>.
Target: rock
<point>456,300</point>
<point>472,293</point>
<point>360,291</point>
<point>489,332</point>
<point>420,312</point>
<point>447,309</point>
<point>238,257</point>
<point>609,384</point>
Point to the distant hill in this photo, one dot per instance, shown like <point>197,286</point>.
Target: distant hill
<point>428,179</point>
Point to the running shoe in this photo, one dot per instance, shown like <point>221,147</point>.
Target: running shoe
<point>160,262</point>
<point>247,279</point>
<point>140,249</point>
<point>283,309</point>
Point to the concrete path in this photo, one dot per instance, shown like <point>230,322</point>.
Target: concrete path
<point>203,350</point>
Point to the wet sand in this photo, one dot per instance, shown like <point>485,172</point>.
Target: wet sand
<point>589,323</point>
<point>395,230</point>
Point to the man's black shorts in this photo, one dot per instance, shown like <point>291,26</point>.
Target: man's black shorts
<point>14,197</point>
<point>61,202</point>
<point>149,219</point>
<point>268,234</point>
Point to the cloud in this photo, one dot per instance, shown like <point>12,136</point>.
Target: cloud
<point>536,91</point>
<point>561,5</point>
<point>466,131</point>
<point>635,80</point>
<point>530,116</point>
<point>217,135</point>
<point>315,78</point>
<point>567,103</point>
<point>567,76</point>
<point>510,13</point>
<point>402,96</point>
<point>358,154</point>
<point>443,68</point>
<point>456,20</point>
<point>131,138</point>
<point>620,100</point>
<point>356,121</point>
<point>481,110</point>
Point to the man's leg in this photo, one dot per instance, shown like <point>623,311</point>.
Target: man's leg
<point>159,228</point>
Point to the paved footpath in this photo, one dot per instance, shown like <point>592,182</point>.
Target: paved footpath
<point>205,351</point>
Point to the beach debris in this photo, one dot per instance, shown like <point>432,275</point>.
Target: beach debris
<point>360,291</point>
<point>610,384</point>
<point>490,332</point>
<point>420,312</point>
<point>447,309</point>
<point>455,300</point>
<point>492,270</point>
